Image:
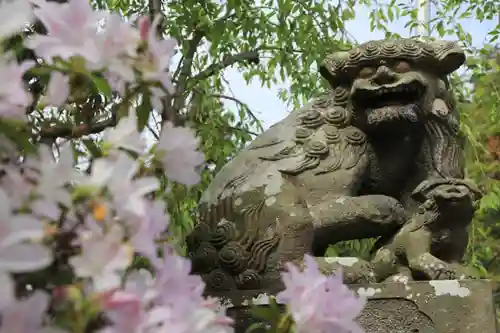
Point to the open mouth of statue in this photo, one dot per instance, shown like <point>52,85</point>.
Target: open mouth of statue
<point>402,94</point>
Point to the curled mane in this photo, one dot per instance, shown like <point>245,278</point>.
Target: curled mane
<point>324,139</point>
<point>443,139</point>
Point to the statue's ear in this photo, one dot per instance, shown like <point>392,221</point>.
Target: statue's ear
<point>449,55</point>
<point>439,108</point>
<point>331,67</point>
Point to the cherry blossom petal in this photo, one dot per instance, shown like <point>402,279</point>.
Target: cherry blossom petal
<point>57,89</point>
<point>14,16</point>
<point>20,258</point>
<point>23,227</point>
<point>6,290</point>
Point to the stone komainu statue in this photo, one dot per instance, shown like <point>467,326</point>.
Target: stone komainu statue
<point>343,167</point>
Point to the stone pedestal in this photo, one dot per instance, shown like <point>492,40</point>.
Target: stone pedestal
<point>414,307</point>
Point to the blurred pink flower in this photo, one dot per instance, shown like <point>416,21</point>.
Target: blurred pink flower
<point>57,89</point>
<point>319,303</point>
<point>17,255</point>
<point>147,229</point>
<point>161,52</point>
<point>178,151</point>
<point>118,47</point>
<point>125,134</point>
<point>172,302</point>
<point>26,316</point>
<point>71,30</point>
<point>15,185</point>
<point>6,290</point>
<point>177,286</point>
<point>103,258</point>
<point>144,25</point>
<point>14,99</point>
<point>14,16</point>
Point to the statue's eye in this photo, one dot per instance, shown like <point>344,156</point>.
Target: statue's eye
<point>402,67</point>
<point>366,72</point>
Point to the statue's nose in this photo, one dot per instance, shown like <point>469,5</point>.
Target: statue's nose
<point>384,76</point>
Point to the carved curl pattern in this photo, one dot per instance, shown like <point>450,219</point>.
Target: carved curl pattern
<point>286,152</point>
<point>248,280</point>
<point>316,149</point>
<point>205,258</point>
<point>224,232</point>
<point>332,134</point>
<point>312,119</point>
<point>233,257</point>
<point>341,96</point>
<point>302,134</point>
<point>219,280</point>
<point>443,57</point>
<point>337,116</point>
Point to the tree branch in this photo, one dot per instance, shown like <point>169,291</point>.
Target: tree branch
<point>155,9</point>
<point>170,110</point>
<point>251,57</point>
<point>73,132</point>
<point>237,101</point>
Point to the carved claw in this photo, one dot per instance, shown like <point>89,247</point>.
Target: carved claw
<point>436,269</point>
<point>432,267</point>
<point>404,275</point>
<point>424,190</point>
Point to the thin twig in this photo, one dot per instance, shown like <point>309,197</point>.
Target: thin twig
<point>249,56</point>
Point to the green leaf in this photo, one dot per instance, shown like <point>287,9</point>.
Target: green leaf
<point>264,313</point>
<point>101,84</point>
<point>256,326</point>
<point>17,133</point>
<point>93,148</point>
<point>143,111</point>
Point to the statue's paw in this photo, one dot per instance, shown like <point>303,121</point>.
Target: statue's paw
<point>360,277</point>
<point>445,271</point>
<point>432,267</point>
<point>463,272</point>
<point>403,275</point>
<point>355,270</point>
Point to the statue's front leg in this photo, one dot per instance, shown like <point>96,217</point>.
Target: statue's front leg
<point>343,218</point>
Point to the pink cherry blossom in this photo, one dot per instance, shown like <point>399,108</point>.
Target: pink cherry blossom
<point>178,149</point>
<point>103,258</point>
<point>16,254</point>
<point>147,229</point>
<point>161,53</point>
<point>178,286</point>
<point>118,46</point>
<point>116,173</point>
<point>71,30</point>
<point>131,309</point>
<point>13,97</point>
<point>125,310</point>
<point>15,185</point>
<point>53,175</point>
<point>14,16</point>
<point>26,316</point>
<point>319,303</point>
<point>170,303</point>
<point>144,25</point>
<point>57,89</point>
<point>6,290</point>
<point>156,99</point>
<point>125,134</point>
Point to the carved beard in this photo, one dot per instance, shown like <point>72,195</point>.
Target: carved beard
<point>392,114</point>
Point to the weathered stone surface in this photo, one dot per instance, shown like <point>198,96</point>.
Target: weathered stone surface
<point>447,306</point>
